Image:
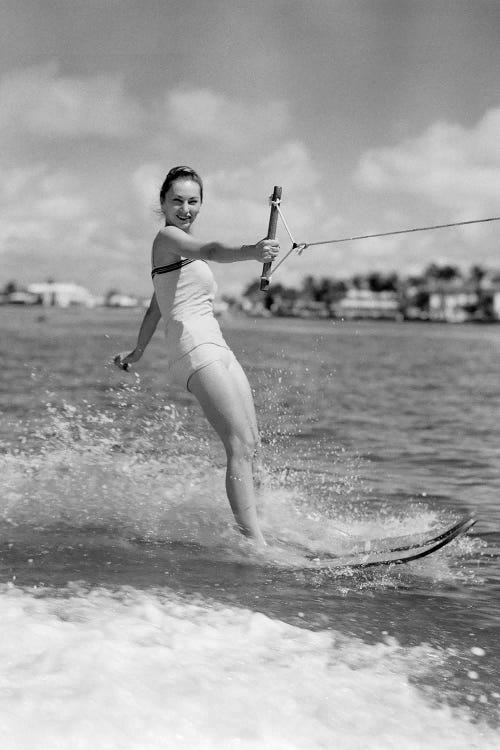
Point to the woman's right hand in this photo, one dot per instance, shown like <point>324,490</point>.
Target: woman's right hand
<point>123,360</point>
<point>266,250</point>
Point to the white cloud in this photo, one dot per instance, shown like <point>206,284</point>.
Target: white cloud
<point>238,198</point>
<point>51,225</point>
<point>448,165</point>
<point>146,181</point>
<point>35,201</point>
<point>211,116</point>
<point>40,101</point>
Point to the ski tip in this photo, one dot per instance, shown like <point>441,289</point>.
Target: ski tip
<point>467,523</point>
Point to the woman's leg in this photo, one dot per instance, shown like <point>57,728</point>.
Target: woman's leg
<point>246,397</point>
<point>243,386</point>
<point>219,393</point>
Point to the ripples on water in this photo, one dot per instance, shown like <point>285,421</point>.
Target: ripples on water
<point>133,616</point>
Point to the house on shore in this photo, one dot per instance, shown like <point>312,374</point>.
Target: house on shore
<point>364,303</point>
<point>118,299</point>
<point>61,294</point>
<point>452,305</point>
<point>465,301</point>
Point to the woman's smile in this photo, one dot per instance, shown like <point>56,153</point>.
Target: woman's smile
<point>182,203</point>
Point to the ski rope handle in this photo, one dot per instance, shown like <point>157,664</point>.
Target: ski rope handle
<point>271,234</point>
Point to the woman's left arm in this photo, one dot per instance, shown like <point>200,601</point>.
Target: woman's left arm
<point>148,327</point>
<point>173,240</point>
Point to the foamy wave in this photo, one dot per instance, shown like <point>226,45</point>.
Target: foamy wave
<point>151,671</point>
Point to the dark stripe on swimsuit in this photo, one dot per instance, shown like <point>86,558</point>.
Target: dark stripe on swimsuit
<point>172,267</point>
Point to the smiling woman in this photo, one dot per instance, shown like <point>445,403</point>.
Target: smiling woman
<point>181,205</point>
<point>198,357</point>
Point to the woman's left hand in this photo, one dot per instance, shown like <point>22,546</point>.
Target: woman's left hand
<point>266,250</point>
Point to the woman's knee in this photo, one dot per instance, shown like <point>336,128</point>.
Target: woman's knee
<point>242,445</point>
<point>226,410</point>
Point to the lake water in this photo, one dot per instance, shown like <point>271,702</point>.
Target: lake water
<point>133,616</point>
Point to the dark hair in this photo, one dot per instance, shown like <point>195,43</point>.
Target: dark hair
<point>174,175</point>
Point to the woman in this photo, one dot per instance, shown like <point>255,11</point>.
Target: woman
<point>198,356</point>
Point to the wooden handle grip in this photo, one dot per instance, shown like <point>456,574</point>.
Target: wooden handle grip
<point>271,234</point>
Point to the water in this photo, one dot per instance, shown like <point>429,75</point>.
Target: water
<point>132,614</point>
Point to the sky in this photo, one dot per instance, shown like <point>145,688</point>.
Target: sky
<point>373,116</point>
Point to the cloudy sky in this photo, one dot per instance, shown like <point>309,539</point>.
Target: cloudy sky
<point>373,115</point>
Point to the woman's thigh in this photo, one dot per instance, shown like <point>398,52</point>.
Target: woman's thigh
<point>245,392</point>
<point>218,391</point>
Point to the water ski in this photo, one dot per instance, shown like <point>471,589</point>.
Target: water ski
<point>393,550</point>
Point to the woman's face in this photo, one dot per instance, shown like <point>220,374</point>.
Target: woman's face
<point>182,203</point>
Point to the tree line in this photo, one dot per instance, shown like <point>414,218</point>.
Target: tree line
<point>411,290</point>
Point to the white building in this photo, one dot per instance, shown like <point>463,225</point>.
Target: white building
<point>117,299</point>
<point>363,303</point>
<point>496,304</point>
<point>451,305</point>
<point>62,294</point>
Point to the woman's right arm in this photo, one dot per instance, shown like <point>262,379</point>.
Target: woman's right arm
<point>148,327</point>
<point>173,240</point>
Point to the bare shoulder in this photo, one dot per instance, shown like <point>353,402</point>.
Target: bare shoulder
<point>166,246</point>
<point>172,242</point>
<point>170,238</point>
